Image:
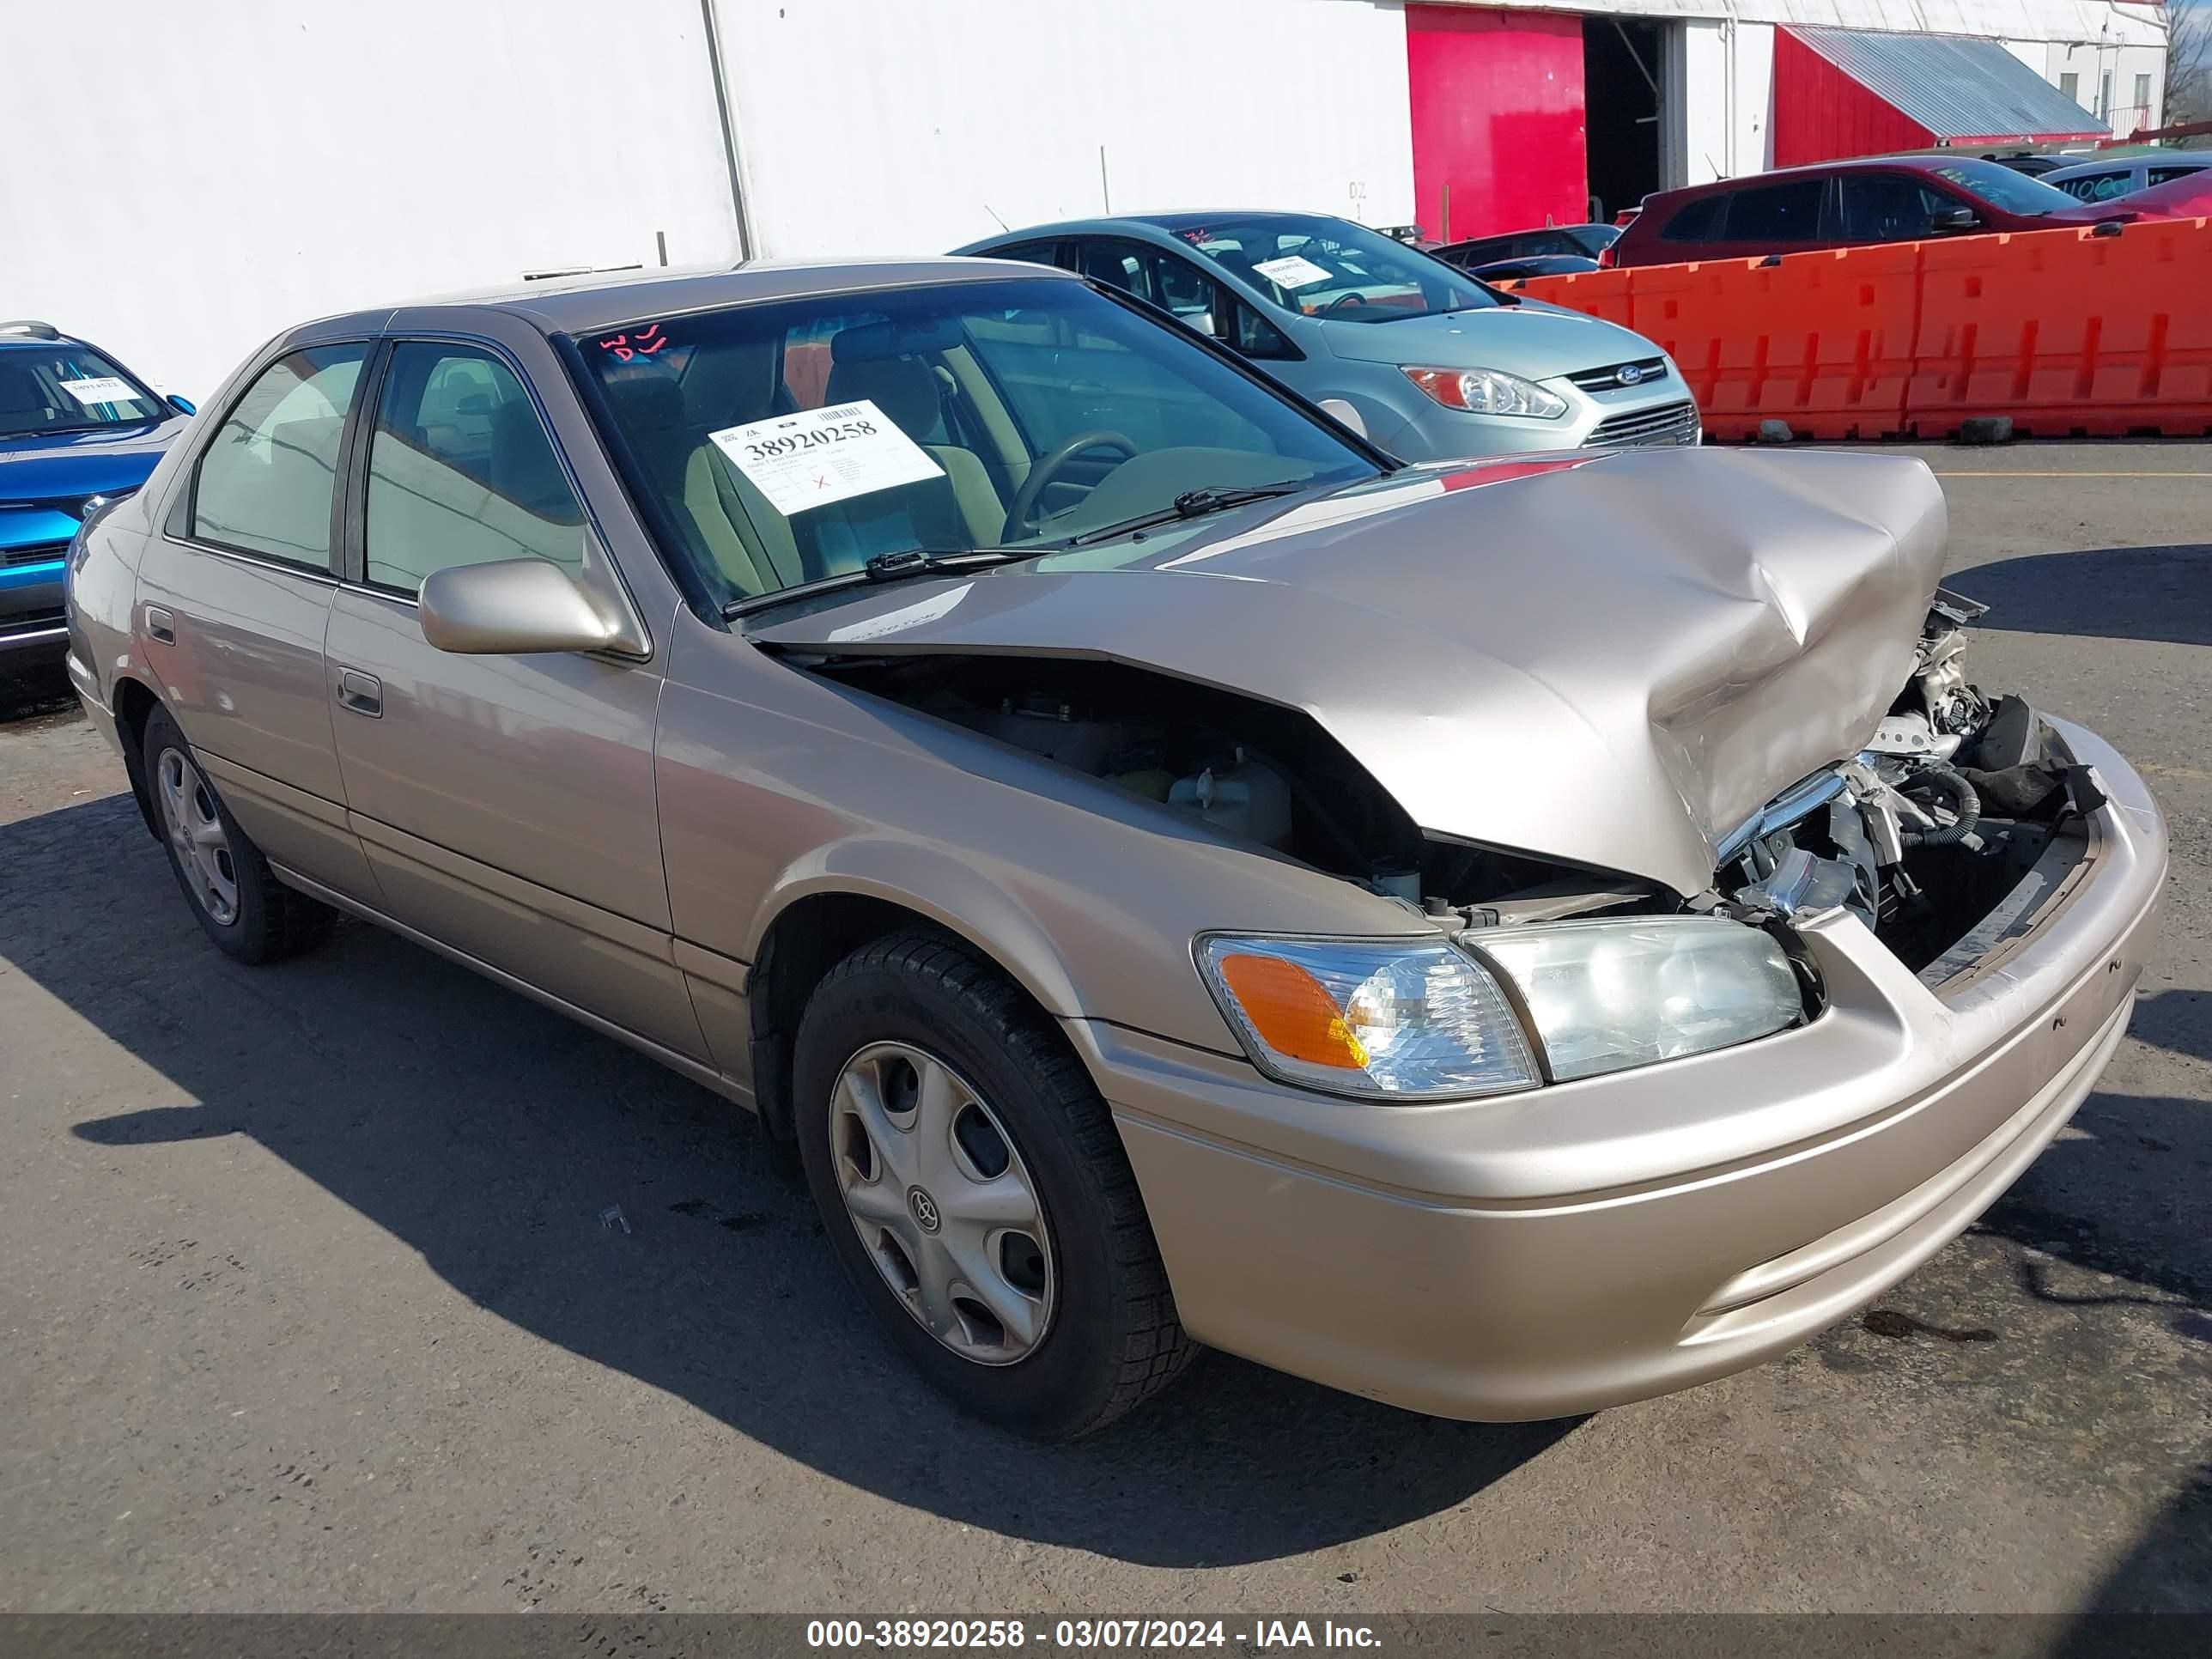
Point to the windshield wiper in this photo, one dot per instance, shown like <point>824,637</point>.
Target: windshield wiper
<point>884,568</point>
<point>1193,504</point>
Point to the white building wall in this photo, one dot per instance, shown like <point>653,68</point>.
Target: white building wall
<point>233,169</point>
<point>1752,125</point>
<point>1727,99</point>
<point>890,126</point>
<point>2092,65</point>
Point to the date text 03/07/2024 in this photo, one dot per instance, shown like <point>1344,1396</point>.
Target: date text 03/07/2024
<point>1089,1634</point>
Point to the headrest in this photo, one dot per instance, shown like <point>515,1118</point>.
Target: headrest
<point>904,388</point>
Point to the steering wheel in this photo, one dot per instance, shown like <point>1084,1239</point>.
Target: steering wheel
<point>1049,467</point>
<point>1351,296</point>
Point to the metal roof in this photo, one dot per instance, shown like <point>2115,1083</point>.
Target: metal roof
<point>1957,89</point>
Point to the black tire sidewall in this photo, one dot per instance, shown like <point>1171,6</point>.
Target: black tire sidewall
<point>1059,1389</point>
<point>246,936</point>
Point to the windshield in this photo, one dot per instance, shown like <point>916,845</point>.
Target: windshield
<point>66,388</point>
<point>2002,187</point>
<point>1327,267</point>
<point>780,443</point>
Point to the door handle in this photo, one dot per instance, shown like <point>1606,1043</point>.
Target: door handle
<point>161,625</point>
<point>362,692</point>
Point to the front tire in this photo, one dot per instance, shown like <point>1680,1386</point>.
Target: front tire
<point>239,904</point>
<point>971,1181</point>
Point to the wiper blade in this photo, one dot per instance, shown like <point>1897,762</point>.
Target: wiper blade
<point>884,568</point>
<point>1193,504</point>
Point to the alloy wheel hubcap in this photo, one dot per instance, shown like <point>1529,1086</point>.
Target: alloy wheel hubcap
<point>195,830</point>
<point>942,1202</point>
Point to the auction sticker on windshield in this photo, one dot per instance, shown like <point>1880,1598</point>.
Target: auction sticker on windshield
<point>107,389</point>
<point>821,456</point>
<point>1292,270</point>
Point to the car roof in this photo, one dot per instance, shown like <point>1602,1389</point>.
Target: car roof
<point>2127,164</point>
<point>1911,163</point>
<point>1166,223</point>
<point>590,301</point>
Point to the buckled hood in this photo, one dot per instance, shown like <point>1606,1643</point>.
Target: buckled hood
<point>1608,660</point>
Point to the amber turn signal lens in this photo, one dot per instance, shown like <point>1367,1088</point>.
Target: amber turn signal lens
<point>1292,1012</point>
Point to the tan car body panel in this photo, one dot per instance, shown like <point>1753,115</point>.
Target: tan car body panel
<point>1678,636</point>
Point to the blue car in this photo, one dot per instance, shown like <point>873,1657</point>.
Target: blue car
<point>76,430</point>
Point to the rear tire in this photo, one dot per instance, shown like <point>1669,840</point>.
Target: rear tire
<point>239,904</point>
<point>1100,1335</point>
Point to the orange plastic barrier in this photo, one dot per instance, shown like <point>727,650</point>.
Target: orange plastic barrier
<point>1822,341</point>
<point>2063,330</point>
<point>2068,332</point>
<point>1601,293</point>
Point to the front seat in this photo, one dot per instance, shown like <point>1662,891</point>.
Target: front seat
<point>961,509</point>
<point>656,418</point>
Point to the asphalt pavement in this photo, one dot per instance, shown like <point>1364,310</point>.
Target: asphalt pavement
<point>306,1303</point>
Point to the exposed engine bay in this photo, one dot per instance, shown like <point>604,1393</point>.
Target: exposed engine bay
<point>1924,834</point>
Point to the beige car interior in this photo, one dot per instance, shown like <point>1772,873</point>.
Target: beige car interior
<point>755,546</point>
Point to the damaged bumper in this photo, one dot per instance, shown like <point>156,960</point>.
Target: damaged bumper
<point>1593,1242</point>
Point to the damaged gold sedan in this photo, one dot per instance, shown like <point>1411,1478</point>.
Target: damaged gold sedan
<point>1501,938</point>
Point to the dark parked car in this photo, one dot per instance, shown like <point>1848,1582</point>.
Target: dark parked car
<point>1540,264</point>
<point>1893,199</point>
<point>1519,246</point>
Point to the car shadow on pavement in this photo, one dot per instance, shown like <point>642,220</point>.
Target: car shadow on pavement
<point>2127,1193</point>
<point>2155,593</point>
<point>491,1135</point>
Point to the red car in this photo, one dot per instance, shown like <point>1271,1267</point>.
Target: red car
<point>1879,198</point>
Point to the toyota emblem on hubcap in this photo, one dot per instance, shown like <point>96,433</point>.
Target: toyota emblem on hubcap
<point>923,1208</point>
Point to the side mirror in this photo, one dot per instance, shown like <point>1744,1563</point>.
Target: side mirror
<point>182,406</point>
<point>1951,221</point>
<point>515,607</point>
<point>1344,414</point>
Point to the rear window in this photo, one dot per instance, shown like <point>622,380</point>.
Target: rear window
<point>1696,222</point>
<point>1777,213</point>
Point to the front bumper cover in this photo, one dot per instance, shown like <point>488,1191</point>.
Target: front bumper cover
<point>1590,1243</point>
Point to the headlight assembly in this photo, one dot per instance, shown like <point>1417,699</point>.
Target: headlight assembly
<point>1606,996</point>
<point>1412,1020</point>
<point>1488,392</point>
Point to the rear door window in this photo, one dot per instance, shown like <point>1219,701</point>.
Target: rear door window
<point>269,477</point>
<point>1117,265</point>
<point>1036,253</point>
<point>1776,213</point>
<point>1696,222</point>
<point>2167,175</point>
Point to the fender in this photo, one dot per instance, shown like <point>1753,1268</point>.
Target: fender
<point>932,883</point>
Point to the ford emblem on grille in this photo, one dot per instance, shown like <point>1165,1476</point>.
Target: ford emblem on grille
<point>1629,374</point>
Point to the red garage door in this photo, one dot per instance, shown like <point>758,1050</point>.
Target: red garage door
<point>1497,116</point>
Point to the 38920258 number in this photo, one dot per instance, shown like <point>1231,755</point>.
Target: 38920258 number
<point>791,443</point>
